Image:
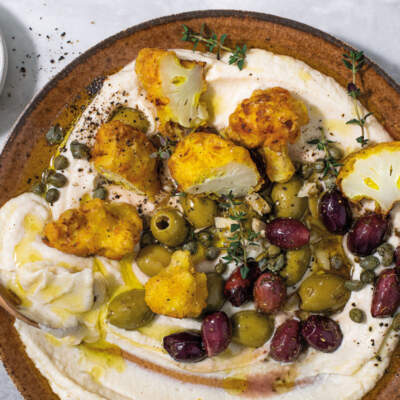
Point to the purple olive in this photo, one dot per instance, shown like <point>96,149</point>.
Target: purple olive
<point>269,292</point>
<point>287,343</point>
<point>216,331</point>
<point>386,298</point>
<point>322,333</point>
<point>185,346</point>
<point>335,212</point>
<point>287,233</point>
<point>367,234</point>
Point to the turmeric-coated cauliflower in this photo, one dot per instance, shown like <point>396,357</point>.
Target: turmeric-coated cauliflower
<point>96,228</point>
<point>269,120</point>
<point>178,290</point>
<point>175,87</point>
<point>123,155</point>
<point>207,163</point>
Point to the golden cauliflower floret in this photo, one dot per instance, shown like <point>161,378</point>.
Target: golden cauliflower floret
<point>175,87</point>
<point>269,120</point>
<point>207,163</point>
<point>123,155</point>
<point>178,290</point>
<point>111,230</point>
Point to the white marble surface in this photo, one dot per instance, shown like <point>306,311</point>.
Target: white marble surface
<point>33,32</point>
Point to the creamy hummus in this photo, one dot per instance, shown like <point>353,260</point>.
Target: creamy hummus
<point>59,289</point>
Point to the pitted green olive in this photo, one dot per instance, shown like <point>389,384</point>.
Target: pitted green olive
<point>323,292</point>
<point>169,227</point>
<point>200,211</point>
<point>133,117</point>
<point>296,265</point>
<point>129,311</point>
<point>152,259</point>
<point>286,202</point>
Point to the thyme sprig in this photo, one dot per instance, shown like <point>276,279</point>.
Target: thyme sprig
<point>354,61</point>
<point>213,43</point>
<point>165,150</point>
<point>322,143</point>
<point>240,236</point>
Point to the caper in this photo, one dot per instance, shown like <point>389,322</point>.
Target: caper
<point>191,247</point>
<point>79,150</point>
<point>46,174</point>
<point>386,251</point>
<point>61,162</point>
<point>212,253</point>
<point>306,170</point>
<point>55,135</point>
<point>319,166</point>
<point>336,262</point>
<point>100,193</point>
<point>58,180</point>
<point>369,262</point>
<point>129,310</point>
<point>215,287</point>
<point>205,238</point>
<point>367,276</point>
<point>329,181</point>
<point>273,251</point>
<point>353,285</point>
<point>52,195</point>
<point>220,268</point>
<point>99,181</point>
<point>396,323</point>
<point>357,315</point>
<point>38,188</point>
<point>146,239</point>
<point>335,152</point>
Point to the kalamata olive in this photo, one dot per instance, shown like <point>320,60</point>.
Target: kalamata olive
<point>238,290</point>
<point>367,234</point>
<point>216,331</point>
<point>269,292</point>
<point>287,343</point>
<point>322,333</point>
<point>386,297</point>
<point>185,346</point>
<point>287,233</point>
<point>335,212</point>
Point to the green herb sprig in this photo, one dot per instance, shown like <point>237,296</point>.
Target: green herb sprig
<point>240,236</point>
<point>354,61</point>
<point>322,143</point>
<point>165,150</point>
<point>213,43</point>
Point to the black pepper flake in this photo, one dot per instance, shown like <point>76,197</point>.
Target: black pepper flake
<point>63,34</point>
<point>95,85</point>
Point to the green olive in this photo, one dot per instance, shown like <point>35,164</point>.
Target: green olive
<point>200,211</point>
<point>286,202</point>
<point>38,188</point>
<point>357,315</point>
<point>79,150</point>
<point>296,265</point>
<point>354,285</point>
<point>369,262</point>
<point>273,251</point>
<point>58,180</point>
<point>100,193</point>
<point>169,227</point>
<point>212,253</point>
<point>215,286</point>
<point>251,328</point>
<point>52,195</point>
<point>60,162</point>
<point>153,258</point>
<point>133,117</point>
<point>55,135</point>
<point>386,251</point>
<point>129,311</point>
<point>323,292</point>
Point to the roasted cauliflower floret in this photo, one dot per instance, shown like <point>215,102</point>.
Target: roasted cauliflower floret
<point>123,155</point>
<point>178,290</point>
<point>175,87</point>
<point>96,228</point>
<point>269,120</point>
<point>373,173</point>
<point>207,163</point>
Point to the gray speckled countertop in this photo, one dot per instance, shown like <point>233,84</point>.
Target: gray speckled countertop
<point>38,48</point>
